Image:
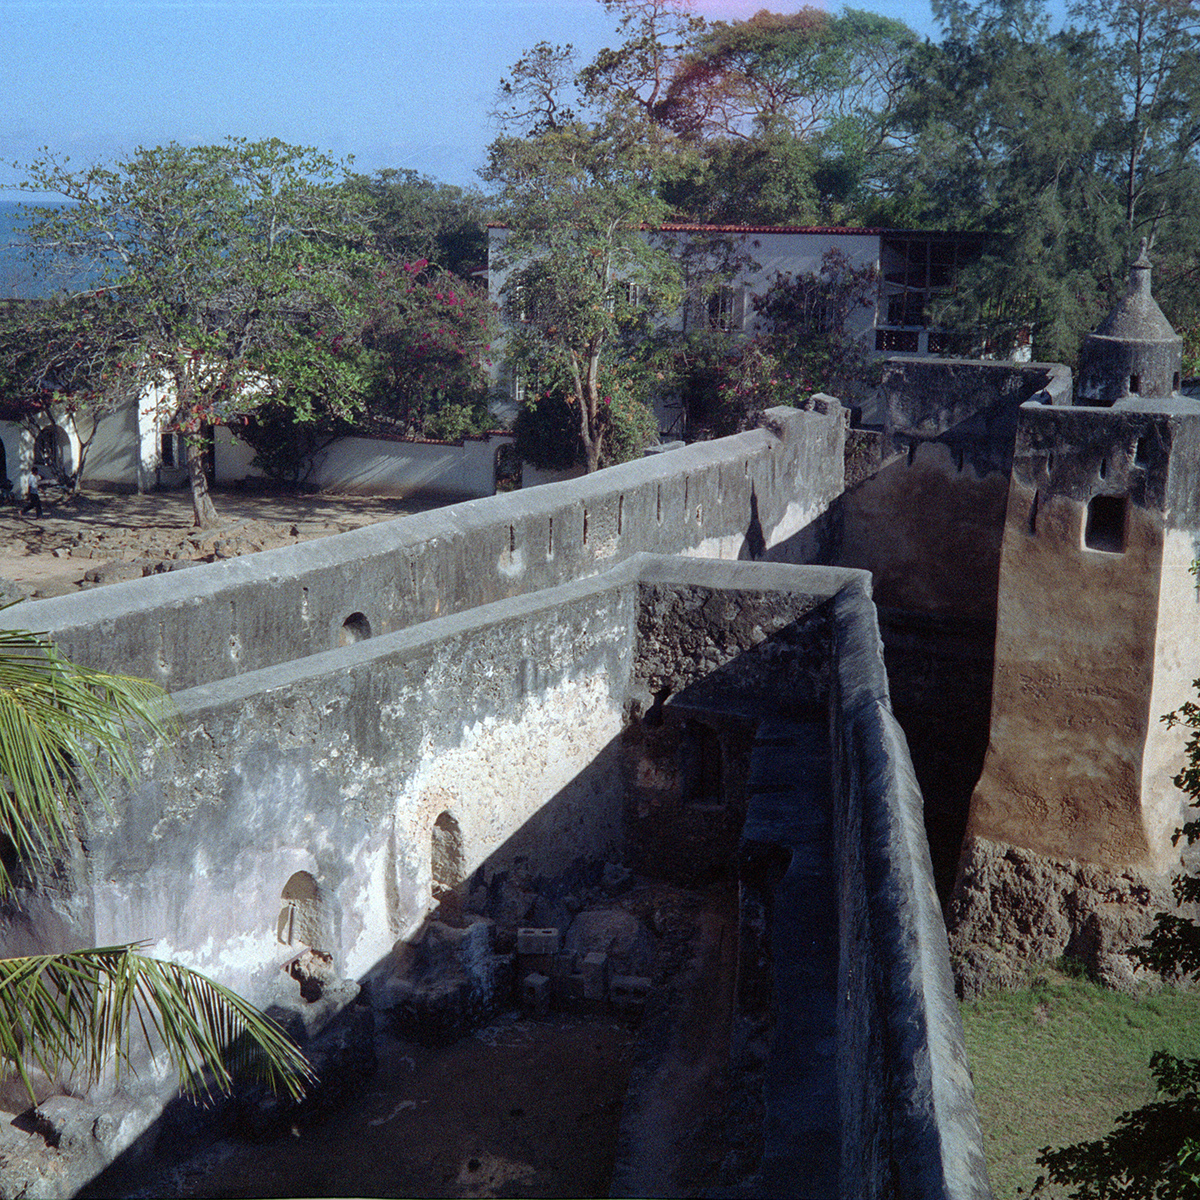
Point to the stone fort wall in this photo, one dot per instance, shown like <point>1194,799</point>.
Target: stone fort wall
<point>731,498</point>
<point>471,669</point>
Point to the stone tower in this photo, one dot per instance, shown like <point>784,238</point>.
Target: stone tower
<point>1134,355</point>
<point>1098,620</point>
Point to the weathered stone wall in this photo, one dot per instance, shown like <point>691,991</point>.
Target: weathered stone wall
<point>730,498</point>
<point>503,721</point>
<point>1096,638</point>
<point>909,1123</point>
<point>928,522</point>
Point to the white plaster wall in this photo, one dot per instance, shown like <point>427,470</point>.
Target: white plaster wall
<point>503,774</point>
<point>18,451</point>
<point>218,913</point>
<point>798,252</point>
<point>370,466</point>
<point>802,254</point>
<point>115,457</point>
<point>1176,665</point>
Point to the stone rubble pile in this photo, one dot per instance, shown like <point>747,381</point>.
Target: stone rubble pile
<point>586,952</point>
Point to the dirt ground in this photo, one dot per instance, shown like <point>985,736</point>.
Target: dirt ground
<point>91,539</point>
<point>520,1108</point>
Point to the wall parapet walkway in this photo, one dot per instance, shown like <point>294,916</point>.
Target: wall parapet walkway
<point>910,1127</point>
<point>735,497</point>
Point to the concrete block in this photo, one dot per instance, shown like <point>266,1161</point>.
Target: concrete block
<point>594,969</point>
<point>538,941</point>
<point>535,994</point>
<point>629,991</point>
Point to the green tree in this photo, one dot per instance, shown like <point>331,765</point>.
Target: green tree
<point>1154,1151</point>
<point>83,1009</point>
<point>804,100</point>
<point>412,217</point>
<point>1003,121</point>
<point>424,349</point>
<point>225,261</point>
<point>582,276</point>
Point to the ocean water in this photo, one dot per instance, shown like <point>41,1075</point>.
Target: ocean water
<point>21,279</point>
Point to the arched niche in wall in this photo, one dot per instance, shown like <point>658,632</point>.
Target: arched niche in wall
<point>355,628</point>
<point>445,858</point>
<point>303,919</point>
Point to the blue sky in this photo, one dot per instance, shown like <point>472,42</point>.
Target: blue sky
<point>396,83</point>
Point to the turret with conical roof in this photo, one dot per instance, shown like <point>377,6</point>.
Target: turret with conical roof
<point>1134,353</point>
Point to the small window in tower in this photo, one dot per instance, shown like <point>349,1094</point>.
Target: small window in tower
<point>1033,513</point>
<point>1135,385</point>
<point>1141,456</point>
<point>1105,527</point>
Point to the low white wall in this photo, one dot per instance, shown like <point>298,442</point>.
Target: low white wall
<point>373,466</point>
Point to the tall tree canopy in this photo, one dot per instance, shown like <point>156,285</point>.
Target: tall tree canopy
<point>225,261</point>
<point>412,217</point>
<point>581,274</point>
<point>1066,147</point>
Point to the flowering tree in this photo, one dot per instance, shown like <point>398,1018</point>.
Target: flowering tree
<point>225,261</point>
<point>430,333</point>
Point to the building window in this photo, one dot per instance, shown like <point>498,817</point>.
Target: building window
<point>1105,526</point>
<point>898,341</point>
<point>637,295</point>
<point>167,450</point>
<point>726,308</point>
<point>915,269</point>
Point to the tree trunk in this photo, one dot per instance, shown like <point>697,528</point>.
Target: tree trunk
<point>589,412</point>
<point>204,513</point>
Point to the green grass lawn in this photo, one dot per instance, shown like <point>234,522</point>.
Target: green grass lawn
<point>1057,1062</point>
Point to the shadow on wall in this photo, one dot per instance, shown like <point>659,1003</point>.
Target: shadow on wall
<point>512,932</point>
<point>503,935</point>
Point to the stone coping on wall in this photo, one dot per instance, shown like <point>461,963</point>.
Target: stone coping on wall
<point>916,1133</point>
<point>931,1128</point>
<point>716,574</point>
<point>711,499</point>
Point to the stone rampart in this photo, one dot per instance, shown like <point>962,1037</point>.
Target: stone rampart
<point>909,1123</point>
<point>731,498</point>
<point>420,704</point>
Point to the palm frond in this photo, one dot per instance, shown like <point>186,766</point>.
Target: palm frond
<point>60,722</point>
<point>80,1009</point>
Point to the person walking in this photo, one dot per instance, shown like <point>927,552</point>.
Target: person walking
<point>33,498</point>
